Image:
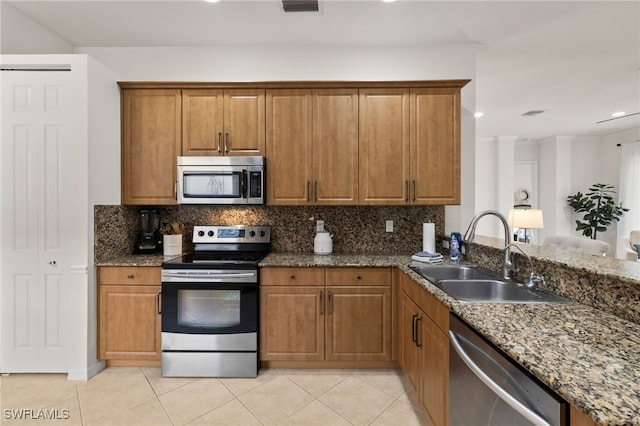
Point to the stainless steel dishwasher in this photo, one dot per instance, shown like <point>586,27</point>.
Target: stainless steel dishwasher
<point>488,388</point>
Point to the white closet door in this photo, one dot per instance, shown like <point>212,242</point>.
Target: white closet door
<point>35,270</point>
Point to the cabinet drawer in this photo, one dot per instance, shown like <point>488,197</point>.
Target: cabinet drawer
<point>129,275</point>
<point>292,276</point>
<point>359,276</point>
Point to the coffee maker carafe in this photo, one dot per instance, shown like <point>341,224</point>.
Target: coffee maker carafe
<point>149,240</point>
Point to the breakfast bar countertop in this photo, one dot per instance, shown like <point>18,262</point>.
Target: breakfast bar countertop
<point>589,357</point>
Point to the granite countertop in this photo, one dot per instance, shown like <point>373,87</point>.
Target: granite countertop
<point>587,356</point>
<point>134,260</point>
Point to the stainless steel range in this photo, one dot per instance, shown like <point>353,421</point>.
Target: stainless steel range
<point>210,303</point>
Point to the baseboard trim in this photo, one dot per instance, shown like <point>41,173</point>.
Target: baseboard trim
<point>84,375</point>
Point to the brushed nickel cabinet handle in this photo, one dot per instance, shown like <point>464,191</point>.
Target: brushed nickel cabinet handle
<point>219,141</point>
<point>414,190</point>
<point>159,302</point>
<point>321,302</point>
<point>330,303</point>
<point>418,328</point>
<point>226,143</point>
<point>413,327</point>
<point>315,191</point>
<point>308,190</point>
<point>406,191</point>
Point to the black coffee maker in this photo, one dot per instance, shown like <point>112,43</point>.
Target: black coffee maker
<point>150,240</point>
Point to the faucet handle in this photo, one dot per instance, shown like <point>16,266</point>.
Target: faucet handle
<point>534,280</point>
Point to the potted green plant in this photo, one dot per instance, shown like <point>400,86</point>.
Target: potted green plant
<point>600,209</point>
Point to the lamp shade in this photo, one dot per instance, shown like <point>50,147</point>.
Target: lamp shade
<point>526,218</point>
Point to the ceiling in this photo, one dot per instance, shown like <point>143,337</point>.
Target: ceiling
<point>578,61</point>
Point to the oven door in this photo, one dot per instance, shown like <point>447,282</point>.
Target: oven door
<point>213,308</point>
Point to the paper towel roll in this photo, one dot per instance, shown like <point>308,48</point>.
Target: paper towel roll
<point>429,237</point>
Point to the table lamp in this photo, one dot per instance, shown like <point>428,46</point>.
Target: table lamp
<point>526,219</point>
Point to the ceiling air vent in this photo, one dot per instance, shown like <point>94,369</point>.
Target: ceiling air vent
<point>300,5</point>
<point>533,112</point>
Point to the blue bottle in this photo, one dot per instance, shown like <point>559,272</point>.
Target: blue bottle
<point>455,247</point>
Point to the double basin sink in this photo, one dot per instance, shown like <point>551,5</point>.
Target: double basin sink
<point>477,285</point>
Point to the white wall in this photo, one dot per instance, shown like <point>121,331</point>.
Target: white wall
<point>19,34</point>
<point>103,141</point>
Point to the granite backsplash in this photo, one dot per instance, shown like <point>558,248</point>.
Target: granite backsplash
<point>355,229</point>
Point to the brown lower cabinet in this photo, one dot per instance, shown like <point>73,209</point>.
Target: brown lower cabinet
<point>129,315</point>
<point>325,314</point>
<point>424,348</point>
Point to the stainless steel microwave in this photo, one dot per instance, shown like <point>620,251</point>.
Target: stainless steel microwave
<point>221,180</point>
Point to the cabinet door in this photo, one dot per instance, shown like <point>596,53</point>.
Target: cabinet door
<point>335,147</point>
<point>384,146</point>
<point>434,380</point>
<point>435,146</point>
<point>409,352</point>
<point>129,323</point>
<point>288,147</point>
<point>358,323</point>
<point>151,141</point>
<point>202,122</point>
<point>244,122</point>
<point>291,323</point>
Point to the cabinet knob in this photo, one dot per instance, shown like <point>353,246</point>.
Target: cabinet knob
<point>130,276</point>
<point>358,277</point>
<point>293,277</point>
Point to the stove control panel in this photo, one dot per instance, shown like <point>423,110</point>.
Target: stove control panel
<point>231,234</point>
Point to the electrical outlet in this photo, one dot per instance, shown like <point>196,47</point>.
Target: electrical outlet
<point>389,226</point>
<point>319,225</point>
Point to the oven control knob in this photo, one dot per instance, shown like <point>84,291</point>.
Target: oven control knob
<point>262,233</point>
<point>200,233</point>
<point>210,233</point>
<point>252,233</point>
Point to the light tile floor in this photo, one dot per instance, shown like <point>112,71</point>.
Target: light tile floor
<point>121,396</point>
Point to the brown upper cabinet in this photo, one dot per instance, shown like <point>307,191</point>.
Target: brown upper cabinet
<point>151,128</point>
<point>223,122</point>
<point>312,146</point>
<point>384,146</point>
<point>325,143</point>
<point>409,146</point>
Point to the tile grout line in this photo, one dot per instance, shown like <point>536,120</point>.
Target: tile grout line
<point>164,410</point>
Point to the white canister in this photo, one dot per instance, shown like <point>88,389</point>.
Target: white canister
<point>172,244</point>
<point>322,243</point>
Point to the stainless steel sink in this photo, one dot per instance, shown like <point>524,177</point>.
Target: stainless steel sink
<point>476,285</point>
<point>450,272</point>
<point>496,291</point>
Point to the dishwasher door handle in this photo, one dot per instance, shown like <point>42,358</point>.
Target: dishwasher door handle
<point>525,411</point>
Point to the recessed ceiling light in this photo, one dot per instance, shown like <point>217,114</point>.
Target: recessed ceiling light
<point>388,1</point>
<point>478,114</point>
<point>212,1</point>
<point>618,114</point>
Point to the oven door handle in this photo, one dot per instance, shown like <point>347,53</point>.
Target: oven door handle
<point>199,275</point>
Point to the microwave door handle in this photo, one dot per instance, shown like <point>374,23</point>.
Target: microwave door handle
<point>244,184</point>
